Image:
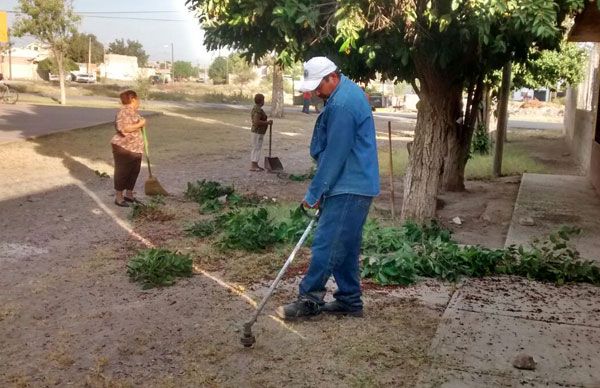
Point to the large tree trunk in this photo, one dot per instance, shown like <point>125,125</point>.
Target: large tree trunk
<point>439,107</point>
<point>459,141</point>
<point>61,75</point>
<point>277,99</point>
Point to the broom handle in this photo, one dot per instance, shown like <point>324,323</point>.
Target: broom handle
<point>270,136</point>
<point>146,150</point>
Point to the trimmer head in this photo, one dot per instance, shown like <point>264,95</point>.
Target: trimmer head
<point>247,338</point>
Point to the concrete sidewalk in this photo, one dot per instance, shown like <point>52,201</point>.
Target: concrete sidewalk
<point>490,321</point>
<point>553,201</point>
<point>22,121</point>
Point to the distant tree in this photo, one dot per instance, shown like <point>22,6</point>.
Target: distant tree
<point>551,68</point>
<point>276,77</point>
<point>50,65</point>
<point>53,22</point>
<point>184,69</point>
<point>78,46</point>
<point>218,70</point>
<point>132,48</point>
<point>242,70</point>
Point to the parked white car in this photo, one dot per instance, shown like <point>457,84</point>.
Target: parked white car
<point>56,77</point>
<point>85,78</point>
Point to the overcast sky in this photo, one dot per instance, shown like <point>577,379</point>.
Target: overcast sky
<point>184,33</point>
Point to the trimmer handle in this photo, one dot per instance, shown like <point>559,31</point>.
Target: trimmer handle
<point>306,213</point>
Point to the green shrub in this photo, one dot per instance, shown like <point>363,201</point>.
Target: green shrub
<point>481,142</point>
<point>158,267</point>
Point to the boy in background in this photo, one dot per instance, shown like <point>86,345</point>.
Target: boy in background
<point>259,128</point>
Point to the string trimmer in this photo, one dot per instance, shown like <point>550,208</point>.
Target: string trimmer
<point>248,338</point>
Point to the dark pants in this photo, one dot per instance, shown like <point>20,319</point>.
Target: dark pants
<point>127,167</point>
<point>336,249</point>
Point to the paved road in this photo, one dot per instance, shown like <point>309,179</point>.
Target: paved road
<point>512,124</point>
<point>23,121</point>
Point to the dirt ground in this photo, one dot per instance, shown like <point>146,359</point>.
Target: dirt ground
<point>70,317</point>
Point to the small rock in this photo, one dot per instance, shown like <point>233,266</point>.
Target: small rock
<point>524,361</point>
<point>222,199</point>
<point>565,154</point>
<point>457,221</point>
<point>526,221</point>
<point>486,218</point>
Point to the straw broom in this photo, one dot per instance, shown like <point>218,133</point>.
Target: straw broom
<point>152,185</point>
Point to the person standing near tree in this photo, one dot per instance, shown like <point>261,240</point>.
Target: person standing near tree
<point>306,102</point>
<point>345,182</point>
<point>259,128</point>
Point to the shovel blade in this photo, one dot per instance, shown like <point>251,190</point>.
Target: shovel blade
<point>273,164</point>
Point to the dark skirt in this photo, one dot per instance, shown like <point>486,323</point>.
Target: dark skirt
<point>127,167</point>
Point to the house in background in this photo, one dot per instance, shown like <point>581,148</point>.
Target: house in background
<point>119,67</point>
<point>21,62</point>
<point>582,113</point>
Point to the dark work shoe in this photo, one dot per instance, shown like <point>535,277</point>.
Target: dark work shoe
<point>302,308</point>
<point>338,308</point>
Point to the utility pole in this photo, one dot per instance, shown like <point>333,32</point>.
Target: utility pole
<point>172,64</point>
<point>9,57</point>
<point>89,64</point>
<point>502,119</point>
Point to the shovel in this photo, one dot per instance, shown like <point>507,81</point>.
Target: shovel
<point>152,185</point>
<point>272,164</point>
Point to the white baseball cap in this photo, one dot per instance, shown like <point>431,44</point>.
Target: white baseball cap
<point>315,69</point>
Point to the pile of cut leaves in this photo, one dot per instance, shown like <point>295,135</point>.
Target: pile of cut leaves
<point>402,255</point>
<point>242,222</point>
<point>251,229</point>
<point>213,196</point>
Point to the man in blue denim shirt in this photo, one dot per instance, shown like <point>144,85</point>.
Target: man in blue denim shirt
<point>347,178</point>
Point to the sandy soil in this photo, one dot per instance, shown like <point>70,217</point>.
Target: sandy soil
<point>69,315</point>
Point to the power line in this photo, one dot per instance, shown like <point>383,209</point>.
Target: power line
<point>132,18</point>
<point>122,12</point>
<point>108,12</point>
<point>94,15</point>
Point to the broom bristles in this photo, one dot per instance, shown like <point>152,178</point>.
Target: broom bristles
<point>153,187</point>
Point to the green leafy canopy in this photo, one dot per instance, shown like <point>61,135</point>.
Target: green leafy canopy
<point>131,47</point>
<point>393,38</point>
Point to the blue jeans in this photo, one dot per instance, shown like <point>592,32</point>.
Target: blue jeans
<point>336,248</point>
<point>305,106</point>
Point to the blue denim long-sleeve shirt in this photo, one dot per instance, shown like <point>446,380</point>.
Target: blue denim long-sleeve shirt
<point>344,146</point>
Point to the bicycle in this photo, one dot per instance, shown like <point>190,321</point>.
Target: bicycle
<point>8,95</point>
